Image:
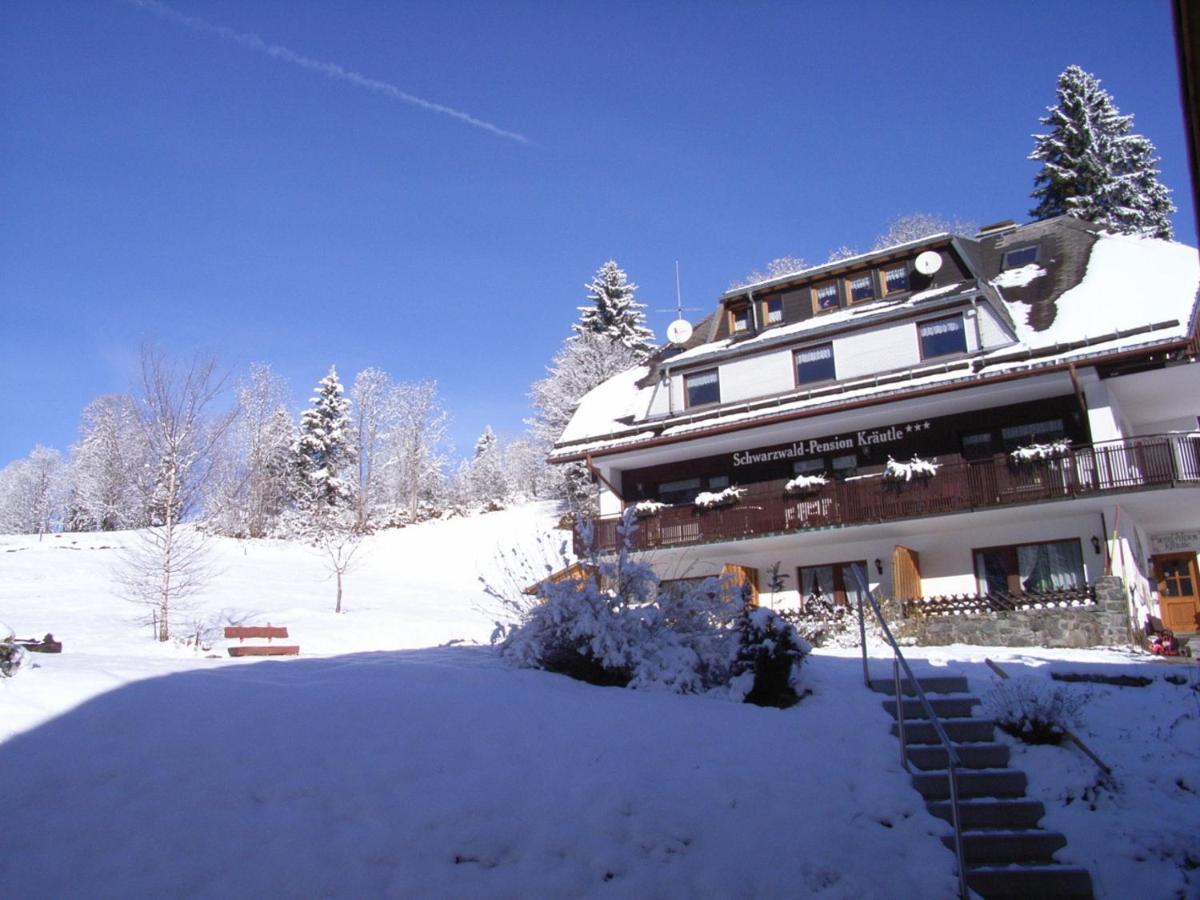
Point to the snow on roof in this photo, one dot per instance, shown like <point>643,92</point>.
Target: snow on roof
<point>600,408</point>
<point>834,264</point>
<point>1011,278</point>
<point>1130,282</point>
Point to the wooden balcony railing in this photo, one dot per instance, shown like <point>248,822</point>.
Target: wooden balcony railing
<point>959,486</point>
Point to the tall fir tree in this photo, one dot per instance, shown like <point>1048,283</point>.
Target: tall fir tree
<point>1094,167</point>
<point>613,312</point>
<point>324,450</point>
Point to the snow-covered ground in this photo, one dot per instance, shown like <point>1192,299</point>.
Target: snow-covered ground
<point>388,761</point>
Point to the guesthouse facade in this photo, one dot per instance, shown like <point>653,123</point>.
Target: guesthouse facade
<point>976,422</point>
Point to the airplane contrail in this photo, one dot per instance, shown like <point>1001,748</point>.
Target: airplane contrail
<point>328,69</point>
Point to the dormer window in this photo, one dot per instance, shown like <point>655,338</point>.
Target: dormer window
<point>825,297</point>
<point>942,337</point>
<point>862,288</point>
<point>1022,256</point>
<point>895,280</point>
<point>702,388</point>
<point>739,320</point>
<point>773,311</point>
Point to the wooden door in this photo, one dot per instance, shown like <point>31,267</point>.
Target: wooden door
<point>1178,591</point>
<point>745,578</point>
<point>906,573</point>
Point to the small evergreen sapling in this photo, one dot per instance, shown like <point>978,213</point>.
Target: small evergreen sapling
<point>769,655</point>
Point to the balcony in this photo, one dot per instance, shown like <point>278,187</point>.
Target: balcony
<point>765,508</point>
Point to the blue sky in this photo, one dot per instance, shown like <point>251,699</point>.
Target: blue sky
<point>177,182</point>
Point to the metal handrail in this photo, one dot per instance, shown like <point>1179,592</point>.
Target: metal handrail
<point>898,661</point>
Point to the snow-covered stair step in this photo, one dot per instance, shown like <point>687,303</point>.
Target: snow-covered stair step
<point>945,706</point>
<point>970,756</point>
<point>939,684</point>
<point>958,730</point>
<point>1031,882</point>
<point>992,812</point>
<point>935,785</point>
<point>994,846</point>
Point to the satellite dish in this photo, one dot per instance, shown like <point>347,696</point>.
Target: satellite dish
<point>679,331</point>
<point>928,262</point>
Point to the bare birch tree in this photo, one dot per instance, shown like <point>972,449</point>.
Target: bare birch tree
<point>167,564</point>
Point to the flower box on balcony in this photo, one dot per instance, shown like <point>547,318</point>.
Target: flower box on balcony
<point>916,469</point>
<point>727,497</point>
<point>805,484</point>
<point>646,508</point>
<point>1032,454</point>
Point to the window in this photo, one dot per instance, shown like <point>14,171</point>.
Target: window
<point>825,297</point>
<point>862,288</point>
<point>815,364</point>
<point>1034,433</point>
<point>808,466</point>
<point>941,337</point>
<point>702,388</point>
<point>845,466</point>
<point>683,491</point>
<point>739,320</point>
<point>1015,259</point>
<point>773,311</point>
<point>977,446</point>
<point>836,582</point>
<point>1050,566</point>
<point>895,280</point>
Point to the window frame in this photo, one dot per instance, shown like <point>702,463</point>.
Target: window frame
<point>766,311</point>
<point>816,294</point>
<point>796,365</point>
<point>870,278</point>
<point>921,341</point>
<point>736,311</point>
<point>1014,577</point>
<point>883,273</point>
<point>1005,265</point>
<point>687,390</point>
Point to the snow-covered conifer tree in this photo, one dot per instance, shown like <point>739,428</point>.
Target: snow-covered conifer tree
<point>485,472</point>
<point>1094,167</point>
<point>324,451</point>
<point>613,312</point>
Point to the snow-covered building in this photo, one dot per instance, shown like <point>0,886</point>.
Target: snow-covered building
<point>981,422</point>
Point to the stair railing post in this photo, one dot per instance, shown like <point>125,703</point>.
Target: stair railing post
<point>900,713</point>
<point>952,772</point>
<point>862,639</point>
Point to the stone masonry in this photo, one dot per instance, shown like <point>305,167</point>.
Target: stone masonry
<point>1105,622</point>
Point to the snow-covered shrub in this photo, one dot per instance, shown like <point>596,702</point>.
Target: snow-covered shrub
<point>711,500</point>
<point>916,467</point>
<point>769,655</point>
<point>646,508</point>
<point>804,484</point>
<point>610,624</point>
<point>11,653</point>
<point>1041,452</point>
<point>1033,710</point>
<point>822,621</point>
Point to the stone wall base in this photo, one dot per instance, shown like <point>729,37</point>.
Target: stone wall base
<point>1103,623</point>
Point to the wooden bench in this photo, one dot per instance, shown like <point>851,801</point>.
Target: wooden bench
<point>241,632</point>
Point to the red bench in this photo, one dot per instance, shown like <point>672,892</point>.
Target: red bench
<point>270,632</point>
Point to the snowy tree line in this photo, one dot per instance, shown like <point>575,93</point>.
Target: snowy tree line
<point>378,455</point>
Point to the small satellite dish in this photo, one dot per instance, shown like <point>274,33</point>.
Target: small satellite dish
<point>679,331</point>
<point>928,262</point>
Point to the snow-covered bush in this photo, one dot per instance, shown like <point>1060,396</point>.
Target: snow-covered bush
<point>916,467</point>
<point>711,500</point>
<point>823,621</point>
<point>649,507</point>
<point>803,484</point>
<point>1041,452</point>
<point>1032,710</point>
<point>766,668</point>
<point>11,653</point>
<point>609,624</point>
